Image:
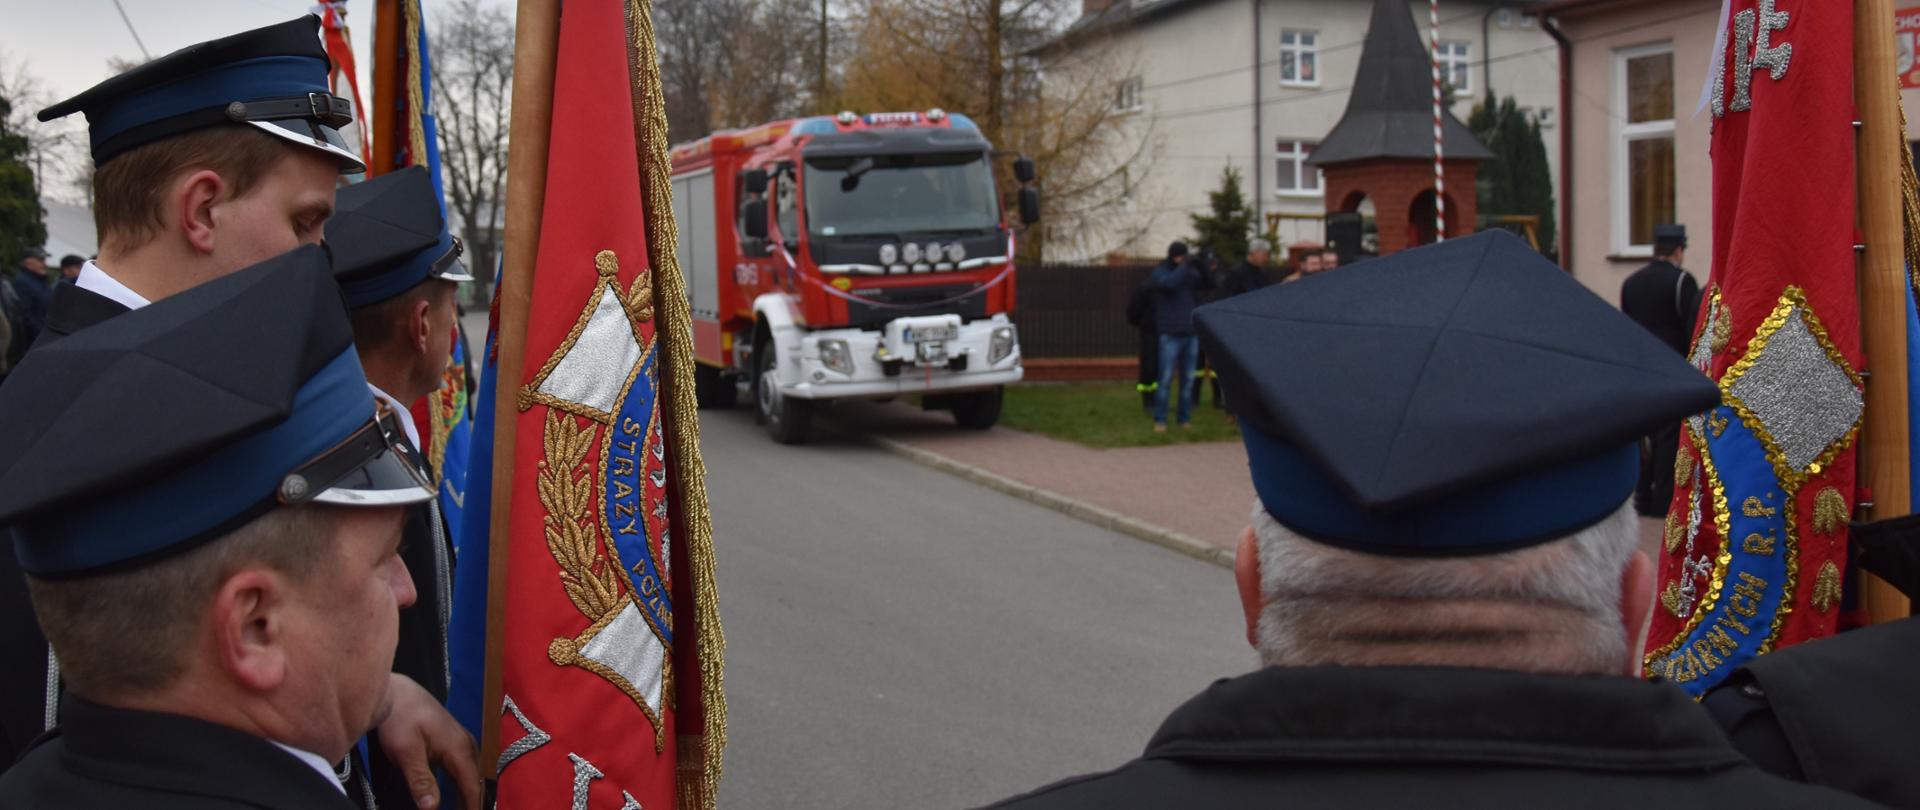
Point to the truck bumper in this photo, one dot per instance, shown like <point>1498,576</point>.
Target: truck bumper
<point>815,377</point>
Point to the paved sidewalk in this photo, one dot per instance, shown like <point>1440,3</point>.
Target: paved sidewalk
<point>1197,492</point>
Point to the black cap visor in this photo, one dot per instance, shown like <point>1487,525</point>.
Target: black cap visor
<point>314,135</point>
<point>373,467</point>
<point>450,267</point>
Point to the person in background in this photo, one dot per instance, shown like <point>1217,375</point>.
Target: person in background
<point>1309,265</point>
<point>70,265</point>
<point>1177,283</point>
<point>1663,298</point>
<point>34,290</point>
<point>1329,259</point>
<point>1250,274</point>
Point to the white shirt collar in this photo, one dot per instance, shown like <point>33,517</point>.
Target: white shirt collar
<point>405,414</point>
<point>314,761</point>
<point>95,280</point>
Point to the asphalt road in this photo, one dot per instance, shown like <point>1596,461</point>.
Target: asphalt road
<point>897,637</point>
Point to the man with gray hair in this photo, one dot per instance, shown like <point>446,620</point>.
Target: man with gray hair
<point>1442,577</point>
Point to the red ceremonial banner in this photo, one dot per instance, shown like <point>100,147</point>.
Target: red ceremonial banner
<point>601,651</point>
<point>1755,539</point>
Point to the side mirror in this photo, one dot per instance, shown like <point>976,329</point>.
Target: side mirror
<point>1029,206</point>
<point>1023,170</point>
<point>753,217</point>
<point>755,180</point>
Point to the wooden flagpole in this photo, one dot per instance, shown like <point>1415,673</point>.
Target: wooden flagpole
<point>384,130</point>
<point>535,47</point>
<point>1883,461</point>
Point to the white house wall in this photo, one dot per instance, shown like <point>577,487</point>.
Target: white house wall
<point>1195,64</point>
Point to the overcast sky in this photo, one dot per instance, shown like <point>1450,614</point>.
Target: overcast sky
<point>66,43</point>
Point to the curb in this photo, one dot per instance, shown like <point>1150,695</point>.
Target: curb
<point>1077,509</point>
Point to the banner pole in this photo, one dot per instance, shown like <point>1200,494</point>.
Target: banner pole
<point>535,47</point>
<point>1883,462</point>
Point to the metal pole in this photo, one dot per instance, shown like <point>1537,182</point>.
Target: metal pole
<point>1439,136</point>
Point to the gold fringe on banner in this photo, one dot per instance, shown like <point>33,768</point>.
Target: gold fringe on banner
<point>691,518</point>
<point>416,101</point>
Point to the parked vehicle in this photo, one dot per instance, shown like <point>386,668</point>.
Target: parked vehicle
<point>850,257</point>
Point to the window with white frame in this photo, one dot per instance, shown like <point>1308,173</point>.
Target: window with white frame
<point>1292,176</point>
<point>1128,95</point>
<point>1299,58</point>
<point>1456,64</point>
<point>1643,183</point>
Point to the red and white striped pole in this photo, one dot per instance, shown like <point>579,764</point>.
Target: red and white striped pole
<point>1439,137</point>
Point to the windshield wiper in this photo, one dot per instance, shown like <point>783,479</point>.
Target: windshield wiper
<point>859,167</point>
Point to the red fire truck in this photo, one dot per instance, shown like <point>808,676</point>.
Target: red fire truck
<point>850,256</point>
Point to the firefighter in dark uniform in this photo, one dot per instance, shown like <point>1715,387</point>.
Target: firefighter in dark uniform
<point>1663,297</point>
<point>399,268</point>
<point>202,121</point>
<point>1443,577</point>
<point>261,92</point>
<point>214,558</point>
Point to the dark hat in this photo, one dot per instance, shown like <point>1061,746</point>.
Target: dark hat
<point>1462,398</point>
<point>1670,235</point>
<point>36,253</point>
<point>387,235</point>
<point>150,433</point>
<point>1176,250</point>
<point>274,78</point>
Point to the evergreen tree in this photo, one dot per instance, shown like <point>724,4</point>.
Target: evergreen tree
<point>1516,180</point>
<point>22,223</point>
<point>1228,223</point>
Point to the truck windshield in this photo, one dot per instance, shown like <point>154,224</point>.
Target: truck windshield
<point>894,194</point>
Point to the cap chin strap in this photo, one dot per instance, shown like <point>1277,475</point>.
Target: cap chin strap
<point>325,108</point>
<point>382,434</point>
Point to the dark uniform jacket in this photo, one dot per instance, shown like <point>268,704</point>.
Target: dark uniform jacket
<point>1434,738</point>
<point>115,758</point>
<point>1841,712</point>
<point>23,650</point>
<point>1664,299</point>
<point>1243,279</point>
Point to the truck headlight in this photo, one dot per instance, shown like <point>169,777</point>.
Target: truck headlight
<point>835,355</point>
<point>956,253</point>
<point>910,252</point>
<point>1001,345</point>
<point>889,253</point>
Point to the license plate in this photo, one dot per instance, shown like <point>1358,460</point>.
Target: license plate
<point>927,334</point>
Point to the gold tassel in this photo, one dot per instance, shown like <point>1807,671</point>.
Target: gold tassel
<point>692,520</point>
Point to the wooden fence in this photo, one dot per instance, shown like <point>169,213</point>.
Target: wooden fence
<point>1072,311</point>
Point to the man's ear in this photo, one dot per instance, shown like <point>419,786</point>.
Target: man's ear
<point>1636,607</point>
<point>250,615</point>
<point>1246,575</point>
<point>193,200</point>
<point>420,323</point>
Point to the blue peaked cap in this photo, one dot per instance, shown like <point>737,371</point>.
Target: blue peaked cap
<point>1462,398</point>
<point>161,428</point>
<point>387,235</point>
<point>274,78</point>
